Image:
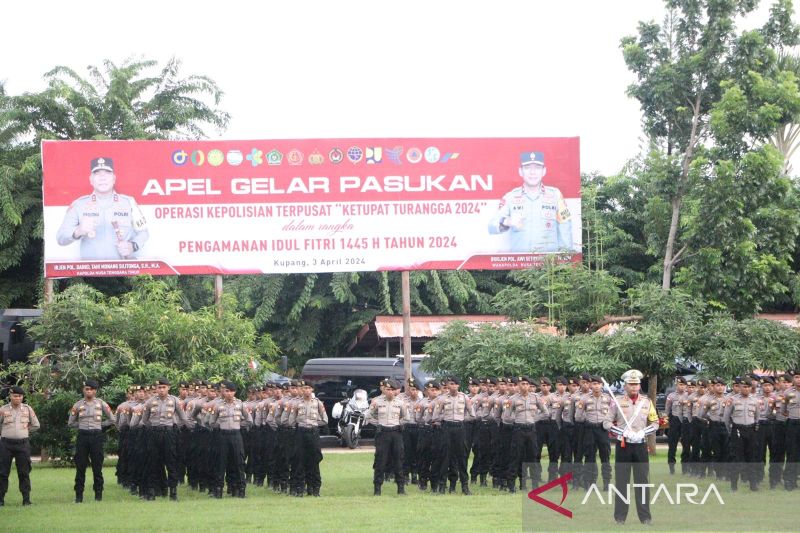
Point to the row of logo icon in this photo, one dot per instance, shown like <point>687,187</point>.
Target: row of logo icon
<point>372,155</point>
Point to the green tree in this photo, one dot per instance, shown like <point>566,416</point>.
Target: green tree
<point>133,100</point>
<point>688,70</point>
<point>136,338</point>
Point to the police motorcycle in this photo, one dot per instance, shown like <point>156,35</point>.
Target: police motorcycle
<point>350,414</point>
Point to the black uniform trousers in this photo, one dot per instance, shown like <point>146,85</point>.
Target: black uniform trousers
<point>230,459</point>
<point>136,472</point>
<point>482,449</point>
<point>718,441</point>
<point>765,433</point>
<point>122,455</point>
<point>439,457</point>
<point>454,462</point>
<point>546,435</point>
<point>631,457</point>
<point>389,448</point>
<point>410,441</point>
<point>577,463</point>
<point>792,454</point>
<point>686,442</point>
<point>18,450</point>
<point>89,450</point>
<point>284,449</point>
<point>503,450</point>
<point>248,439</point>
<point>673,438</point>
<point>595,442</point>
<point>162,453</point>
<point>523,450</point>
<point>778,458</point>
<point>308,457</point>
<point>425,453</point>
<point>566,436</point>
<point>183,448</point>
<point>744,447</point>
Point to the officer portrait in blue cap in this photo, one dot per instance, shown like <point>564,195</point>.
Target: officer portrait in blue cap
<point>108,225</point>
<point>534,215</point>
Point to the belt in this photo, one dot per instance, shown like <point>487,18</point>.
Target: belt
<point>161,428</point>
<point>308,430</point>
<point>525,426</point>
<point>285,428</point>
<point>452,424</point>
<point>229,431</point>
<point>793,422</point>
<point>488,423</point>
<point>566,424</point>
<point>412,426</point>
<point>89,431</point>
<point>713,423</point>
<point>743,426</point>
<point>15,441</point>
<point>593,425</point>
<point>387,428</point>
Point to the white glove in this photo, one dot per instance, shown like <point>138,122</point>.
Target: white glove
<point>639,435</point>
<point>629,434</point>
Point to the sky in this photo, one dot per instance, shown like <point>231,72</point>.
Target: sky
<point>354,68</point>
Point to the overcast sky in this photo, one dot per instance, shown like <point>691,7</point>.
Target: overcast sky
<point>352,68</point>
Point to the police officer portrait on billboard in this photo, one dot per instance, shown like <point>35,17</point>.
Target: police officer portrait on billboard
<point>535,216</point>
<point>107,224</point>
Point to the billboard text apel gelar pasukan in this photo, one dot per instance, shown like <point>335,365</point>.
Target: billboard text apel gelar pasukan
<point>119,208</point>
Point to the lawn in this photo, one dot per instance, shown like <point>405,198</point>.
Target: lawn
<point>347,504</point>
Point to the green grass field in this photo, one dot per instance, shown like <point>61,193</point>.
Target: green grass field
<point>347,504</point>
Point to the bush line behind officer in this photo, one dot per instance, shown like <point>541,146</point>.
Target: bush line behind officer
<point>17,422</point>
<point>89,416</point>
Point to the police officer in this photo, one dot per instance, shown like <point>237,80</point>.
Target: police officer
<point>422,413</point>
<point>633,417</point>
<point>568,431</point>
<point>740,418</point>
<point>481,460</point>
<point>675,410</point>
<point>765,427</point>
<point>387,413</point>
<point>17,422</point>
<point>547,432</point>
<point>121,420</point>
<point>595,409</point>
<point>136,444</point>
<point>450,410</point>
<point>712,411</point>
<point>505,429</point>
<point>161,416</point>
<point>108,225</point>
<point>411,397</point>
<point>791,409</point>
<point>536,216</point>
<point>523,409</point>
<point>229,416</point>
<point>89,416</point>
<point>308,416</point>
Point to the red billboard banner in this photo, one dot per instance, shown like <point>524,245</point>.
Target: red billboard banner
<point>123,208</point>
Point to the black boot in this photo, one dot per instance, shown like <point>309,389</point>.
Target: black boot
<point>401,489</point>
<point>26,498</point>
<point>413,479</point>
<point>2,500</point>
<point>216,493</point>
<point>672,469</point>
<point>452,486</point>
<point>151,495</point>
<point>473,479</point>
<point>164,492</point>
<point>134,490</point>
<point>512,489</point>
<point>241,492</point>
<point>423,484</point>
<point>465,489</point>
<point>78,497</point>
<point>316,492</point>
<point>495,483</point>
<point>442,487</point>
<point>377,489</point>
<point>98,495</point>
<point>502,484</point>
<point>284,487</point>
<point>309,491</point>
<point>173,493</point>
<point>483,481</point>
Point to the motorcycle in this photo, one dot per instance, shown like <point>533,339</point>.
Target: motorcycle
<point>350,415</point>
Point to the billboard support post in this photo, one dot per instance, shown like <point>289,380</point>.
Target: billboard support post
<point>218,294</point>
<point>406,288</point>
<point>48,290</point>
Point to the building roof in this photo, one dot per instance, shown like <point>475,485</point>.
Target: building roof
<point>391,327</point>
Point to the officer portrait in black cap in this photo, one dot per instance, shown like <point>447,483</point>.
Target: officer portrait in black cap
<point>535,216</point>
<point>109,225</point>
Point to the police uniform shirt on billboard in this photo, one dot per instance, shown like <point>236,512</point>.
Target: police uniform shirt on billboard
<point>108,225</point>
<point>534,215</point>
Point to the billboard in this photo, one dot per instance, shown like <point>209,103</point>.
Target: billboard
<point>124,208</point>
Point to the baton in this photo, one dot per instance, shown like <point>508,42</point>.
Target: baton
<point>627,424</point>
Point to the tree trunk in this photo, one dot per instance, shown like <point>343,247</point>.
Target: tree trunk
<point>669,259</point>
